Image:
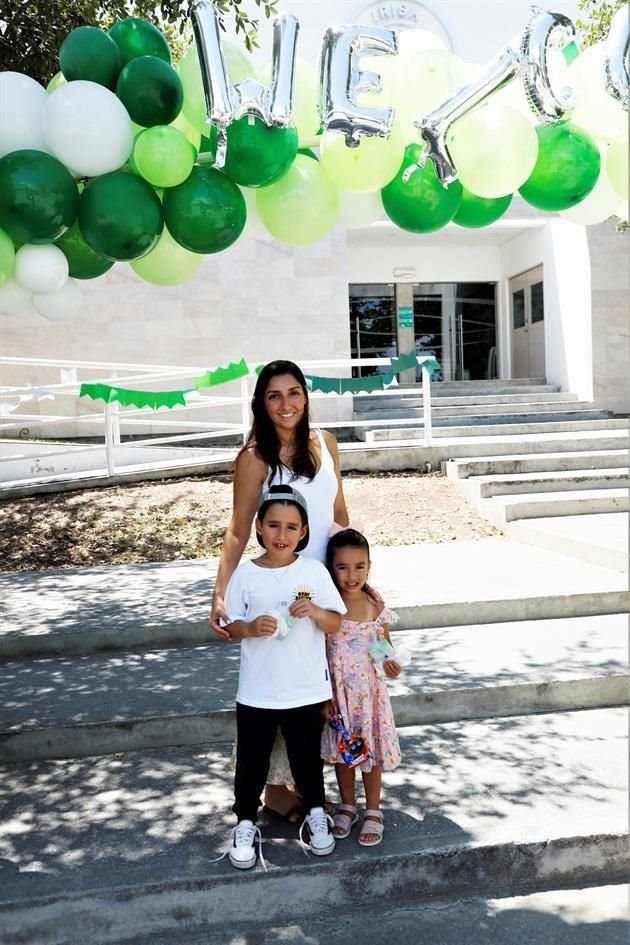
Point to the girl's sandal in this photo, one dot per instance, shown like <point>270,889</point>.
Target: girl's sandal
<point>345,818</point>
<point>372,827</point>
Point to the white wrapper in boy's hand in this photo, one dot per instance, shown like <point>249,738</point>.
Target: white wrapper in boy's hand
<point>285,622</point>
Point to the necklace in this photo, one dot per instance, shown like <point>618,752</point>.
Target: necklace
<point>277,573</point>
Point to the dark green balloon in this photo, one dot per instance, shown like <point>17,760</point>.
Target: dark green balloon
<point>566,170</point>
<point>206,213</point>
<point>307,152</point>
<point>89,53</point>
<point>477,211</point>
<point>257,154</point>
<point>208,146</point>
<point>83,261</point>
<point>422,203</point>
<point>151,91</point>
<point>135,37</point>
<point>39,197</point>
<point>120,216</point>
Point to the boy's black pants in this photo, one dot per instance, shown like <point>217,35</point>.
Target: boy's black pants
<point>256,731</point>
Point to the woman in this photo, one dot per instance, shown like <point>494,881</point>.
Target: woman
<point>280,447</point>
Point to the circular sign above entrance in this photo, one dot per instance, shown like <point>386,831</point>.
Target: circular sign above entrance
<point>402,15</point>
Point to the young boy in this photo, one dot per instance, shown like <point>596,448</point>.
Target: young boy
<point>281,605</point>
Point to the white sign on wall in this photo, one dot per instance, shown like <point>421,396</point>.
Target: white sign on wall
<point>405,14</point>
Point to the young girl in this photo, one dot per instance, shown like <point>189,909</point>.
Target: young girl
<point>280,606</point>
<point>359,693</point>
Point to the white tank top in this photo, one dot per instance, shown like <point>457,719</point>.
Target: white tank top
<point>320,493</point>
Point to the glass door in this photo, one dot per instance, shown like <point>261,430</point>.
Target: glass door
<point>527,309</point>
<point>372,324</point>
<point>456,322</point>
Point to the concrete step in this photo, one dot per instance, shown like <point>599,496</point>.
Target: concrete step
<point>599,539</point>
<point>508,508</point>
<point>557,481</point>
<point>595,916</point>
<point>110,851</point>
<point>399,430</point>
<point>492,414</point>
<point>92,705</point>
<point>540,462</point>
<point>83,610</point>
<point>518,385</point>
<point>396,399</point>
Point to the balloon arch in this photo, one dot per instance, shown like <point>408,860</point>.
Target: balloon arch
<point>125,157</point>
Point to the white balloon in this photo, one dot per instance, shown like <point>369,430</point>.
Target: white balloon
<point>59,305</point>
<point>40,268</point>
<point>595,110</point>
<point>600,204</point>
<point>14,300</point>
<point>412,43</point>
<point>22,103</point>
<point>87,128</point>
<point>357,210</point>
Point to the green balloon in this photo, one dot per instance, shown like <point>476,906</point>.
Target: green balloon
<point>89,53</point>
<point>38,197</point>
<point>422,203</point>
<point>55,83</point>
<point>83,261</point>
<point>7,257</point>
<point>206,213</point>
<point>208,146</point>
<point>567,168</point>
<point>477,211</point>
<point>167,264</point>
<point>307,152</point>
<point>163,156</point>
<point>135,37</point>
<point>120,215</point>
<point>151,91</point>
<point>257,154</point>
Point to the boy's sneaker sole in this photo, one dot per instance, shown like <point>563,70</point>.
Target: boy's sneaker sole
<point>323,851</point>
<point>243,864</point>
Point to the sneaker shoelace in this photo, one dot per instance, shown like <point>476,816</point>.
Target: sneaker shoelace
<point>243,836</point>
<point>317,823</point>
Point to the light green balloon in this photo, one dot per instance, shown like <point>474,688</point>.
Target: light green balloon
<point>494,150</point>
<point>595,111</point>
<point>163,156</point>
<point>182,124</point>
<point>301,206</point>
<point>57,80</point>
<point>428,80</point>
<point>238,68</point>
<point>617,164</point>
<point>168,263</point>
<point>7,257</point>
<point>368,167</point>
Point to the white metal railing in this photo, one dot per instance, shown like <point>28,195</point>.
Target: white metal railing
<point>109,421</point>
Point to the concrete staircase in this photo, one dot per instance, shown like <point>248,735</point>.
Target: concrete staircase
<point>115,747</point>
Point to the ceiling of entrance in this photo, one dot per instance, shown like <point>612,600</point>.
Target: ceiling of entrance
<point>496,235</point>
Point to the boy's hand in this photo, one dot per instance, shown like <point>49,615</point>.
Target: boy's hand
<point>263,626</point>
<point>304,608</point>
<point>392,668</point>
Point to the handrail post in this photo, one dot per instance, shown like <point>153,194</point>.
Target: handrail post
<point>244,407</point>
<point>426,405</point>
<point>109,440</point>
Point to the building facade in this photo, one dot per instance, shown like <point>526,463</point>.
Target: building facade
<point>532,295</point>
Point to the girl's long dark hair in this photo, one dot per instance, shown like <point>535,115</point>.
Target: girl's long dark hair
<point>263,434</point>
<point>346,538</point>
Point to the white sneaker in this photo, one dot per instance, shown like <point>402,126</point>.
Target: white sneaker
<point>318,823</point>
<point>242,853</point>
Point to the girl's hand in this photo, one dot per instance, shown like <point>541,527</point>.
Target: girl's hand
<point>217,617</point>
<point>374,597</point>
<point>303,608</point>
<point>264,626</point>
<point>392,668</point>
<point>328,710</point>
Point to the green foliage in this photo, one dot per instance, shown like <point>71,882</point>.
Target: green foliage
<point>31,31</point>
<point>598,14</point>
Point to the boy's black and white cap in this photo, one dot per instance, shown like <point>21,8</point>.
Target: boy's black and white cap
<point>284,493</point>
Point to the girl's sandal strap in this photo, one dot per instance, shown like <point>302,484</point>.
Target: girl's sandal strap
<point>372,825</point>
<point>345,818</point>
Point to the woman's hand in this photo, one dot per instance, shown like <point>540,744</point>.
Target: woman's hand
<point>218,617</point>
<point>374,597</point>
<point>392,668</point>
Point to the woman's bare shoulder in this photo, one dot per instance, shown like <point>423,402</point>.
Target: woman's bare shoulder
<point>250,462</point>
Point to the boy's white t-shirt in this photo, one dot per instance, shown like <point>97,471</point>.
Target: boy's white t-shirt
<point>275,673</point>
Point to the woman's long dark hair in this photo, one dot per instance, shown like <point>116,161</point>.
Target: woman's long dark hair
<point>263,434</point>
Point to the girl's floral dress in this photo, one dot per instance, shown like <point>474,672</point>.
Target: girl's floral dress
<point>361,696</point>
